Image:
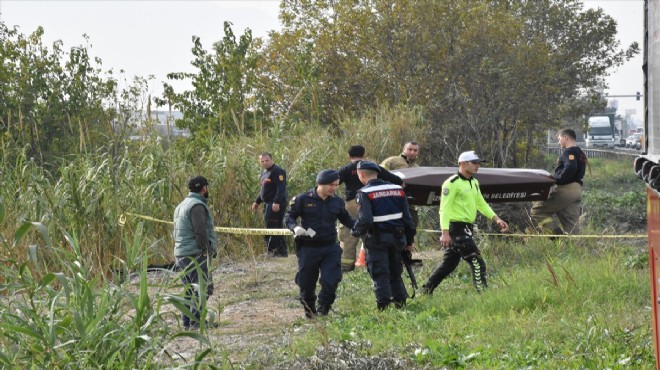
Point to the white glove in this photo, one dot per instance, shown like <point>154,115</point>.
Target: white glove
<point>299,231</point>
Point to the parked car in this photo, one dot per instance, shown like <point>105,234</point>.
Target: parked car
<point>633,141</point>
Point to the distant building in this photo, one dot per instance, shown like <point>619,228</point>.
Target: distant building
<point>165,120</point>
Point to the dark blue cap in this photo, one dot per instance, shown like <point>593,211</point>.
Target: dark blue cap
<point>368,165</point>
<point>326,177</point>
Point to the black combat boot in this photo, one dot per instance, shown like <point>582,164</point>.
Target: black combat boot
<point>310,309</point>
<point>427,290</point>
<point>324,309</point>
<point>383,306</point>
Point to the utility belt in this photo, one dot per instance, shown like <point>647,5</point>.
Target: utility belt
<point>300,242</point>
<point>396,231</point>
<point>460,232</point>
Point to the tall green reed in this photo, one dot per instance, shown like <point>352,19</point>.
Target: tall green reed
<point>89,193</point>
<point>63,315</point>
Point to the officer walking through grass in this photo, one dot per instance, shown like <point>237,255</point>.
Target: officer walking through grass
<point>565,199</point>
<point>349,177</point>
<point>316,241</point>
<point>461,199</point>
<point>195,243</point>
<point>387,227</point>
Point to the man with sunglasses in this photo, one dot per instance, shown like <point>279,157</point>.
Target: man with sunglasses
<point>461,199</point>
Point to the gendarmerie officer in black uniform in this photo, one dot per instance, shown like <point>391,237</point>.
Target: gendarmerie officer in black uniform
<point>349,177</point>
<point>316,241</point>
<point>387,226</point>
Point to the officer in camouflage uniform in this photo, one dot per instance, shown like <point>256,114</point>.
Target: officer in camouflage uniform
<point>407,159</point>
<point>565,200</point>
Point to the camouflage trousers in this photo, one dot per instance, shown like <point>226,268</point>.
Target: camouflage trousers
<point>563,207</point>
<point>348,242</point>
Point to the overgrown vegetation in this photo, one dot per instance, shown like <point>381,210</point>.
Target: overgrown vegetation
<point>542,66</point>
<point>91,193</point>
<point>81,204</point>
<point>577,303</point>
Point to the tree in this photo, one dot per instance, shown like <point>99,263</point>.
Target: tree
<point>56,103</point>
<point>489,75</point>
<point>225,97</point>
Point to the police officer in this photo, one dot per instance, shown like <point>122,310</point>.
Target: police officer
<point>195,242</point>
<point>565,199</point>
<point>349,177</point>
<point>385,222</point>
<point>407,159</point>
<point>461,199</point>
<point>316,241</point>
<point>273,194</point>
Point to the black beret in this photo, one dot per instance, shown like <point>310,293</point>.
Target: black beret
<point>368,165</point>
<point>196,183</point>
<point>326,177</point>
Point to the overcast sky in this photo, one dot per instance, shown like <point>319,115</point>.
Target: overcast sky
<point>154,37</point>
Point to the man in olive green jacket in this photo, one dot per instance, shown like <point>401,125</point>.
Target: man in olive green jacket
<point>195,243</point>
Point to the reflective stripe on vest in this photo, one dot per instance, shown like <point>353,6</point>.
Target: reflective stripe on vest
<point>394,216</point>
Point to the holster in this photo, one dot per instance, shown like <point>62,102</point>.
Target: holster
<point>398,232</point>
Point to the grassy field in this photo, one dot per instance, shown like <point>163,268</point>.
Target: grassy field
<point>68,302</point>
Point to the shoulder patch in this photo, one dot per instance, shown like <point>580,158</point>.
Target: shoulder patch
<point>571,157</point>
<point>281,177</point>
<point>445,191</point>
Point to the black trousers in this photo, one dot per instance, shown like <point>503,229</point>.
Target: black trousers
<point>463,247</point>
<point>195,275</point>
<point>275,244</point>
<point>314,262</point>
<point>385,267</point>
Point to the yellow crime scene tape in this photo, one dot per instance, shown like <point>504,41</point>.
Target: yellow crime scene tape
<point>619,236</point>
<point>249,231</point>
<point>224,230</point>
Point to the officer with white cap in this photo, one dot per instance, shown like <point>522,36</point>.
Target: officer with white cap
<point>461,199</point>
